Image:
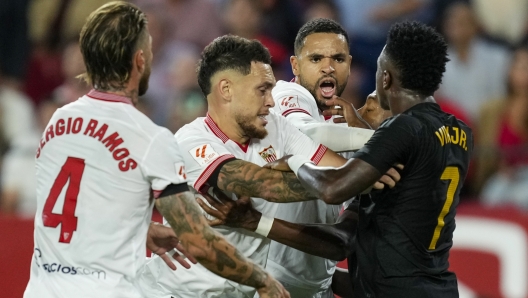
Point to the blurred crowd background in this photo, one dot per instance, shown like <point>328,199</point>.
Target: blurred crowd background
<point>485,84</point>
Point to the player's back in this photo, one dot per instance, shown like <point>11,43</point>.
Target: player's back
<point>408,230</point>
<point>93,200</point>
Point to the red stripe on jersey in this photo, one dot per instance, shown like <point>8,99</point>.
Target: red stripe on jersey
<point>98,95</point>
<point>321,150</point>
<point>210,170</point>
<point>156,193</point>
<point>215,129</point>
<point>287,112</point>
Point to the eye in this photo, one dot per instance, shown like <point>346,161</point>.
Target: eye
<point>339,60</point>
<point>315,59</point>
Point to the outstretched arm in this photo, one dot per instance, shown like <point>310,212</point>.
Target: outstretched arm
<point>210,248</point>
<point>247,179</point>
<point>331,241</point>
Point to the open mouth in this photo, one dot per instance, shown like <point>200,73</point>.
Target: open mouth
<point>327,87</point>
<point>263,118</point>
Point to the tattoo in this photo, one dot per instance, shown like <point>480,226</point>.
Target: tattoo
<point>247,179</point>
<point>206,245</point>
<point>222,259</point>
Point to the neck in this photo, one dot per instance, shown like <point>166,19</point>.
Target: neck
<point>228,125</point>
<point>404,99</point>
<point>126,91</point>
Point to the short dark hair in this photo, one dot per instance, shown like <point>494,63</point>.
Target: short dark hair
<point>108,40</point>
<point>319,25</point>
<point>420,55</point>
<point>229,52</point>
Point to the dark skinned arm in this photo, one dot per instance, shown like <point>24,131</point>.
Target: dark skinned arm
<point>330,241</point>
<point>336,185</point>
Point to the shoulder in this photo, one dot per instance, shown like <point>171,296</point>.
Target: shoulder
<point>284,89</point>
<point>195,129</point>
<point>401,121</point>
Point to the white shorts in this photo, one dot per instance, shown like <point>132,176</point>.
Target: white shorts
<point>157,280</point>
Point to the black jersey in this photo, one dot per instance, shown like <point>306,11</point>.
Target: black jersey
<point>405,233</point>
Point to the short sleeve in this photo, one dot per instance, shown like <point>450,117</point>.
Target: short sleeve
<point>203,154</point>
<point>391,143</point>
<point>297,143</point>
<point>163,164</point>
<point>290,98</point>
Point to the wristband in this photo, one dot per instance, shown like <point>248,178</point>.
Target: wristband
<point>264,225</point>
<point>296,161</point>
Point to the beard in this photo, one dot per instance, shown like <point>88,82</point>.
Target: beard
<point>249,129</point>
<point>321,102</point>
<point>144,83</point>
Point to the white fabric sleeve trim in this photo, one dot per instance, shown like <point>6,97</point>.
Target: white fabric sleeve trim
<point>296,161</point>
<point>264,225</point>
<point>338,138</point>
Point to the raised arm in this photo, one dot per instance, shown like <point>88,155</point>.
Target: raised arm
<point>210,248</point>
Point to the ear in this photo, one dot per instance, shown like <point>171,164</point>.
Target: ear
<point>295,65</point>
<point>387,79</point>
<point>140,61</point>
<point>225,89</point>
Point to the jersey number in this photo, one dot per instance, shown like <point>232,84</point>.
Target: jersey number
<point>451,174</point>
<point>72,170</point>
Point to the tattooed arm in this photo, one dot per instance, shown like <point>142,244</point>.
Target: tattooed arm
<point>247,179</point>
<point>210,248</point>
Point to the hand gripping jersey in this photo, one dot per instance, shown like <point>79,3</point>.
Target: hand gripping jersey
<point>205,149</point>
<point>309,274</point>
<point>96,164</point>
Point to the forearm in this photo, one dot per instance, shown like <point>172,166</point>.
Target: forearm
<point>247,179</point>
<point>337,185</point>
<point>323,240</point>
<point>338,138</point>
<point>330,241</point>
<point>207,245</point>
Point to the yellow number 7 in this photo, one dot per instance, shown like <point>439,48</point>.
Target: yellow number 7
<point>450,173</point>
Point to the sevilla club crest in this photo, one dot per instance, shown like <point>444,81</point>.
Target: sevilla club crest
<point>268,154</point>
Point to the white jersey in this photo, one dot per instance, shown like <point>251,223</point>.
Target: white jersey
<point>97,162</point>
<point>311,274</point>
<point>205,147</point>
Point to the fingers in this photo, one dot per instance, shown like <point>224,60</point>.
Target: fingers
<point>378,185</point>
<point>387,181</point>
<point>180,260</point>
<point>168,261</point>
<point>399,166</point>
<point>339,120</point>
<point>208,209</point>
<point>392,173</point>
<point>190,257</point>
<point>215,222</point>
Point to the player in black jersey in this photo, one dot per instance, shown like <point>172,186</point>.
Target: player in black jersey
<point>403,235</point>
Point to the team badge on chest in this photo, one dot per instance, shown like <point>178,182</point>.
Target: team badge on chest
<point>268,154</point>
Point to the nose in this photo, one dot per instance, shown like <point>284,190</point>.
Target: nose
<point>327,65</point>
<point>268,100</point>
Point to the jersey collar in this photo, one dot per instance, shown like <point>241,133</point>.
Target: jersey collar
<point>221,135</point>
<point>215,129</point>
<point>98,95</point>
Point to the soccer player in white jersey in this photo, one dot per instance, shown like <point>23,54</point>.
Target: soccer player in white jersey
<point>226,150</point>
<point>98,161</point>
<point>321,66</point>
